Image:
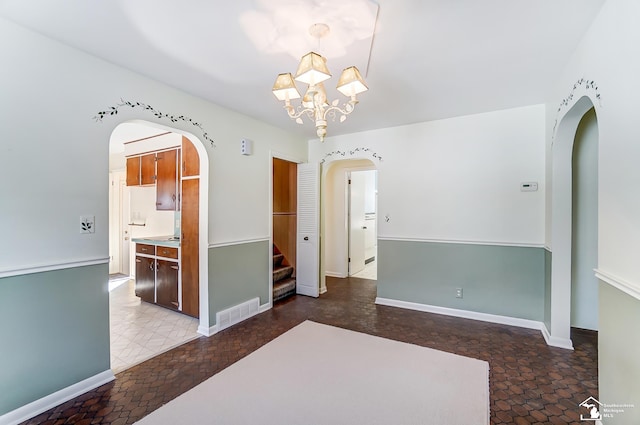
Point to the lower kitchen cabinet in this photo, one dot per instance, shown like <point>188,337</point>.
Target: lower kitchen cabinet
<point>167,284</point>
<point>145,278</point>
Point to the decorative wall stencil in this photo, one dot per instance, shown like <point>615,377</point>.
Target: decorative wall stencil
<point>351,153</point>
<point>588,85</point>
<point>113,110</point>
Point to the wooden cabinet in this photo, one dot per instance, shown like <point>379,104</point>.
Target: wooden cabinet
<point>190,159</point>
<point>167,283</point>
<point>141,170</point>
<point>133,171</point>
<point>158,275</point>
<point>189,245</point>
<point>148,169</point>
<point>167,180</point>
<point>145,278</point>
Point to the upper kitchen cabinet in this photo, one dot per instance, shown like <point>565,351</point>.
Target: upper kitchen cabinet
<point>190,159</point>
<point>141,170</point>
<point>167,180</point>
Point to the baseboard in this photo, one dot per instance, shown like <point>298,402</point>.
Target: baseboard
<point>34,408</point>
<point>554,341</point>
<point>335,274</point>
<point>465,314</point>
<point>203,330</point>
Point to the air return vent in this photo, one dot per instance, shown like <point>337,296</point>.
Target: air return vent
<point>237,314</point>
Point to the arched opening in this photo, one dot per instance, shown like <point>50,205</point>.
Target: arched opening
<point>584,232</point>
<point>349,219</point>
<point>177,310</point>
<point>562,219</point>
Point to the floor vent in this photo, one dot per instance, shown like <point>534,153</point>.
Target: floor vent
<point>237,314</point>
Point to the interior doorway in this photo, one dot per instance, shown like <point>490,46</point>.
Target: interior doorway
<point>362,218</point>
<point>140,329</point>
<point>563,219</point>
<point>284,228</point>
<point>349,219</point>
<point>584,229</point>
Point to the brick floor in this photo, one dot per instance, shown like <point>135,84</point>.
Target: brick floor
<point>530,383</point>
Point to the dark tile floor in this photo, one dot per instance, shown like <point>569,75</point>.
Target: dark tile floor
<point>529,381</point>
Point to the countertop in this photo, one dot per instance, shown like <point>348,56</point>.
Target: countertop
<point>169,240</point>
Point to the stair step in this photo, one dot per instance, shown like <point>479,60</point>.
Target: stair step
<point>284,288</point>
<point>277,260</point>
<point>281,273</point>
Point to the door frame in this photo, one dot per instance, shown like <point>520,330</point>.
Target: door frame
<point>279,155</point>
<point>347,211</point>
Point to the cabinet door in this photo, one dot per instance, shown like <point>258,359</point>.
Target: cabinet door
<point>190,159</point>
<point>189,247</point>
<point>166,180</point>
<point>145,279</point>
<point>133,171</point>
<point>167,284</point>
<point>148,169</point>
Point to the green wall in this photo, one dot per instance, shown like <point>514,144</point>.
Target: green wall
<point>238,273</point>
<point>501,280</point>
<point>619,353</point>
<point>55,332</point>
<point>547,288</point>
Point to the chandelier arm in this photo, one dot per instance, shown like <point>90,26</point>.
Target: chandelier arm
<point>291,111</point>
<point>349,107</point>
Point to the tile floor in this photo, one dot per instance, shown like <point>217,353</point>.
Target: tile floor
<point>140,331</point>
<point>530,382</point>
<point>370,271</point>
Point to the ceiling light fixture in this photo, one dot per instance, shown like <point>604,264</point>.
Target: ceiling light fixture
<point>313,71</point>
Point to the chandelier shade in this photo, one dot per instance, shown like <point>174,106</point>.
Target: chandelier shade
<point>285,88</point>
<point>312,69</point>
<point>351,82</point>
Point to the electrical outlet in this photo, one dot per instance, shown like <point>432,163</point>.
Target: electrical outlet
<point>87,224</point>
<point>458,292</point>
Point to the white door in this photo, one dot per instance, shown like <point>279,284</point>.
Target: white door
<point>357,227</point>
<point>124,228</point>
<point>308,244</point>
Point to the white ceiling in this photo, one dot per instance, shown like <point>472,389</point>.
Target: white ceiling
<point>429,59</point>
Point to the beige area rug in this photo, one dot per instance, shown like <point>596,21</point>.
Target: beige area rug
<point>319,374</point>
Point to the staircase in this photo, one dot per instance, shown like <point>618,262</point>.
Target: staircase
<point>283,284</point>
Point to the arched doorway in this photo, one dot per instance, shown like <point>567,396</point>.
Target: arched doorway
<point>349,218</point>
<point>189,265</point>
<point>562,219</point>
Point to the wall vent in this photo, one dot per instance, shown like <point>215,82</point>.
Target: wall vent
<point>237,314</point>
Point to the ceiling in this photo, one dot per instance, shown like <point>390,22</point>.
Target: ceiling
<point>422,59</point>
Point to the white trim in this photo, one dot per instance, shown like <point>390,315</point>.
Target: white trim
<point>203,330</point>
<point>456,241</point>
<point>555,341</point>
<point>627,287</point>
<point>335,274</point>
<point>39,268</point>
<point>466,314</point>
<point>241,242</point>
<point>190,177</point>
<point>43,404</point>
<point>265,307</point>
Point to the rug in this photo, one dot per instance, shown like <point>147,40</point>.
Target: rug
<point>319,374</point>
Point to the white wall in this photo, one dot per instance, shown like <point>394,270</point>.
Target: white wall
<point>456,179</point>
<point>54,159</point>
<point>607,55</point>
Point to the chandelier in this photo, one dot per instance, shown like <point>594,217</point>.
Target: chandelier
<point>313,71</point>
